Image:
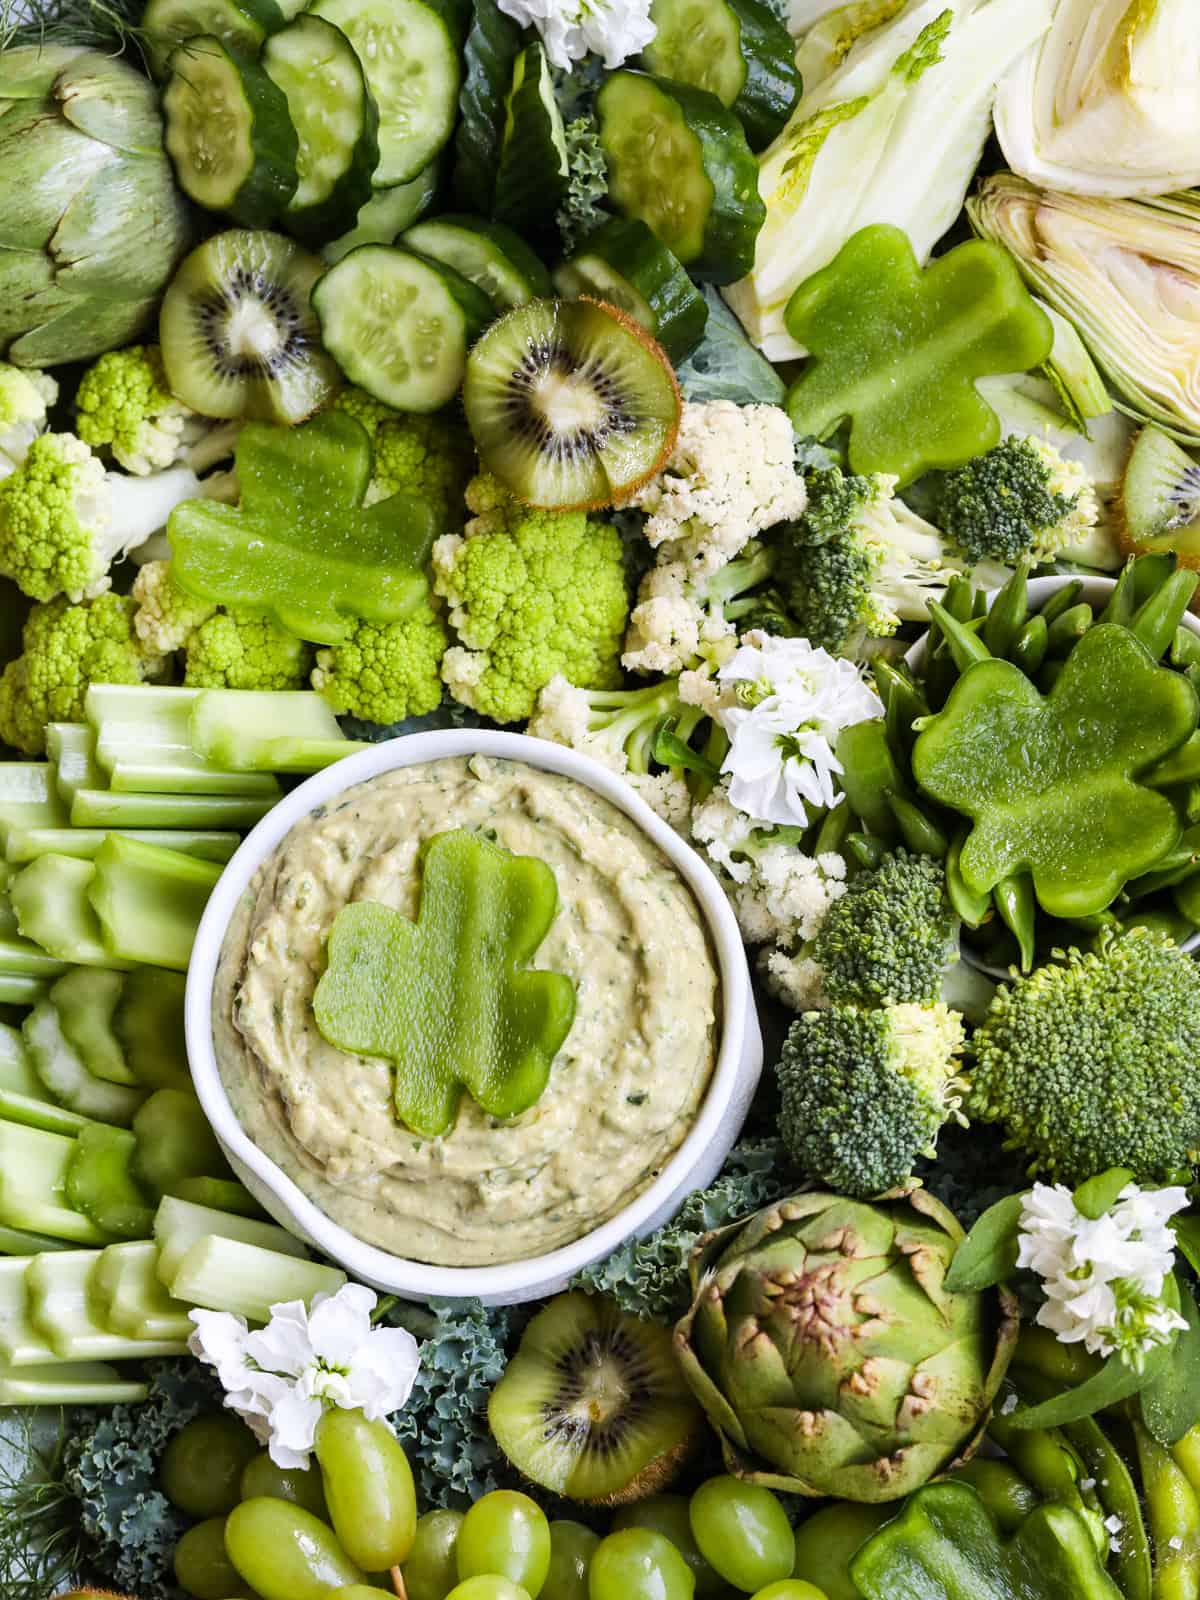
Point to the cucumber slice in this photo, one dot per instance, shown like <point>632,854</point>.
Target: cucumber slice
<point>409,52</point>
<point>736,49</point>
<point>399,326</point>
<point>336,123</point>
<point>240,24</point>
<point>532,175</point>
<point>228,132</point>
<point>679,160</point>
<point>386,214</point>
<point>625,265</point>
<point>492,47</point>
<point>487,254</point>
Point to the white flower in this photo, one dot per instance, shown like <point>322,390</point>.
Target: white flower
<point>1103,1277</point>
<point>280,1378</point>
<point>793,701</point>
<point>572,29</point>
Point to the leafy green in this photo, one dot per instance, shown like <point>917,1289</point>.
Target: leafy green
<point>725,365</point>
<point>93,24</point>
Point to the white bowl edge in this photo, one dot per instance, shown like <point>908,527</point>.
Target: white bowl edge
<point>696,1162</point>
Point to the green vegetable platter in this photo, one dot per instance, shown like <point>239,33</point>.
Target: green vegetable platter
<point>794,408</point>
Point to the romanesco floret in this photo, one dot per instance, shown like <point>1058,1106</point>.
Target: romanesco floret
<point>26,396</point>
<point>65,648</point>
<point>234,650</point>
<point>364,408</point>
<point>532,593</point>
<point>167,615</point>
<point>865,1092</point>
<point>430,457</point>
<point>386,672</point>
<point>1021,499</point>
<point>1090,1062</point>
<point>731,474</point>
<point>682,619</point>
<point>64,520</point>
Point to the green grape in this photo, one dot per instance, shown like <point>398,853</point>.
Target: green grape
<point>201,1564</point>
<point>743,1532</point>
<point>505,1534</point>
<point>262,1479</point>
<point>488,1586</point>
<point>360,1591</point>
<point>368,1487</point>
<point>572,1547</point>
<point>828,1540</point>
<point>790,1589</point>
<point>286,1553</point>
<point>639,1564</point>
<point>430,1572</point>
<point>668,1514</point>
<point>202,1466</point>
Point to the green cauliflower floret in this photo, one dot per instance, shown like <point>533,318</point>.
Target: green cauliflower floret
<point>123,405</point>
<point>167,615</point>
<point>25,400</point>
<point>533,593</point>
<point>64,520</point>
<point>364,408</point>
<point>864,1092</point>
<point>430,457</point>
<point>65,648</point>
<point>1021,499</point>
<point>1091,1061</point>
<point>234,650</point>
<point>386,672</point>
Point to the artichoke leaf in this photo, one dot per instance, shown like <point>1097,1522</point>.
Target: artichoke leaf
<point>43,164</point>
<point>29,74</point>
<point>28,292</point>
<point>123,228</point>
<point>81,330</point>
<point>96,97</point>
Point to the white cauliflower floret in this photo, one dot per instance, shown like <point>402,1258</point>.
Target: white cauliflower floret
<point>795,980</point>
<point>563,715</point>
<point>722,829</point>
<point>167,615</point>
<point>668,794</point>
<point>674,625</point>
<point>700,687</point>
<point>731,474</point>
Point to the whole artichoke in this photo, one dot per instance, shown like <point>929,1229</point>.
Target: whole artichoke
<point>91,223</point>
<point>827,1353</point>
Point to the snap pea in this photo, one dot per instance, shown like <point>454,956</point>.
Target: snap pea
<point>1185,648</point>
<point>903,703</point>
<point>1150,572</point>
<point>1061,600</point>
<point>918,830</point>
<point>1187,1456</point>
<point>1181,766</point>
<point>863,849</point>
<point>1043,1353</point>
<point>1121,605</point>
<point>1156,619</point>
<point>1006,1494</point>
<point>1175,867</point>
<point>1029,648</point>
<point>869,769</point>
<point>1017,907</point>
<point>974,909</point>
<point>1043,1458</point>
<point>1068,628</point>
<point>962,639</point>
<point>1185,896</point>
<point>979,605</point>
<point>1160,920</point>
<point>1009,612</point>
<point>959,598</point>
<point>1173,1511</point>
<point>835,825</point>
<point>1094,922</point>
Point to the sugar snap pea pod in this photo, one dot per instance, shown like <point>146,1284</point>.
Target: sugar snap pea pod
<point>1006,1494</point>
<point>959,598</point>
<point>1159,919</point>
<point>1121,606</point>
<point>1062,600</point>
<point>1029,647</point>
<point>863,849</point>
<point>1185,648</point>
<point>962,641</point>
<point>1175,867</point>
<point>1185,896</point>
<point>831,835</point>
<point>1156,619</point>
<point>1187,1456</point>
<point>974,909</point>
<point>903,703</point>
<point>1150,572</point>
<point>1043,1458</point>
<point>1068,628</point>
<point>1009,613</point>
<point>1043,1354</point>
<point>1173,1511</point>
<point>918,830</point>
<point>1181,766</point>
<point>868,770</point>
<point>979,606</point>
<point>1095,922</point>
<point>1017,908</point>
<point>1050,673</point>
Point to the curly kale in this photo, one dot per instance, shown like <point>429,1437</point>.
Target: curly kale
<point>582,209</point>
<point>648,1277</point>
<point>963,1154</point>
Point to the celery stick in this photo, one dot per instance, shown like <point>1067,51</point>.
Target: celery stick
<point>243,729</point>
<point>174,1143</point>
<point>180,1224</point>
<point>71,747</point>
<point>58,1309</point>
<point>20,1343</point>
<point>60,1068</point>
<point>22,958</point>
<point>149,901</point>
<point>16,1069</point>
<point>33,1175</point>
<point>19,1242</point>
<point>85,1000</point>
<point>28,798</point>
<point>143,743</point>
<point>222,1194</point>
<point>100,1183</point>
<point>21,989</point>
<point>227,1275</point>
<point>27,844</point>
<point>149,1023</point>
<point>100,808</point>
<point>33,1112</point>
<point>129,1299</point>
<point>53,909</point>
<point>70,1383</point>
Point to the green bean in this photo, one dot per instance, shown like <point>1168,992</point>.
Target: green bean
<point>918,830</point>
<point>1121,605</point>
<point>1002,1489</point>
<point>1065,632</point>
<point>974,909</point>
<point>1150,572</point>
<point>962,641</point>
<point>1156,619</point>
<point>1185,648</point>
<point>864,849</point>
<point>833,830</point>
<point>1014,900</point>
<point>1061,600</point>
<point>1010,610</point>
<point>1029,648</point>
<point>1173,1510</point>
<point>1118,1497</point>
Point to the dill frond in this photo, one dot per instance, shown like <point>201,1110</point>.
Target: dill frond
<point>110,25</point>
<point>41,1542</point>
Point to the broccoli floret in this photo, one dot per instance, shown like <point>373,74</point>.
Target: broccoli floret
<point>25,400</point>
<point>429,457</point>
<point>1090,1062</point>
<point>66,648</point>
<point>386,672</point>
<point>582,209</point>
<point>235,650</point>
<point>1021,499</point>
<point>64,520</point>
<point>865,1092</point>
<point>533,593</point>
<point>123,405</point>
<point>167,615</point>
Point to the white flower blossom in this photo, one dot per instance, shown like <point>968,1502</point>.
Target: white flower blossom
<point>1103,1277</point>
<point>279,1379</point>
<point>572,29</point>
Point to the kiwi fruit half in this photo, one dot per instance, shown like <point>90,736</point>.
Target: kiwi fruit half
<point>593,1405</point>
<point>571,402</point>
<point>239,336</point>
<point>1160,499</point>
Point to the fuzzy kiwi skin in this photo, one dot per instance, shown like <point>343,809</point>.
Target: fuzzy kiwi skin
<point>656,1475</point>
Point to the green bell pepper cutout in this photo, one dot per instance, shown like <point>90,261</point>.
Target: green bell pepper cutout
<point>897,350</point>
<point>944,1546</point>
<point>444,998</point>
<point>1051,782</point>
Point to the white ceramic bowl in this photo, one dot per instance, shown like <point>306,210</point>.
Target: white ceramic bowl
<point>694,1164</point>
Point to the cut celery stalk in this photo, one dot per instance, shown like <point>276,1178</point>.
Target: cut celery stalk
<point>85,1000</point>
<point>70,1383</point>
<point>101,808</point>
<point>143,743</point>
<point>20,1242</point>
<point>28,798</point>
<point>58,1309</point>
<point>60,1068</point>
<point>150,901</point>
<point>128,1297</point>
<point>33,1112</point>
<point>20,1343</point>
<point>149,1023</point>
<point>244,730</point>
<point>53,909</point>
<point>22,958</point>
<point>27,844</point>
<point>101,1183</point>
<point>180,1224</point>
<point>222,1194</point>
<point>33,1175</point>
<point>21,989</point>
<point>227,1275</point>
<point>16,1069</point>
<point>71,747</point>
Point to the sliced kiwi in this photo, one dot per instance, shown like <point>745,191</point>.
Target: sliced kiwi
<point>593,1405</point>
<point>571,403</point>
<point>238,333</point>
<point>1160,499</point>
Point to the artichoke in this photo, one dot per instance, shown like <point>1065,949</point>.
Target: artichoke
<point>91,223</point>
<point>827,1353</point>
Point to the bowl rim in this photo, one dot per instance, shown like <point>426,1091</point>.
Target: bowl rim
<point>362,1260</point>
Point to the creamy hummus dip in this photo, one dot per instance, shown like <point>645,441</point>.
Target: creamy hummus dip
<point>624,1089</point>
